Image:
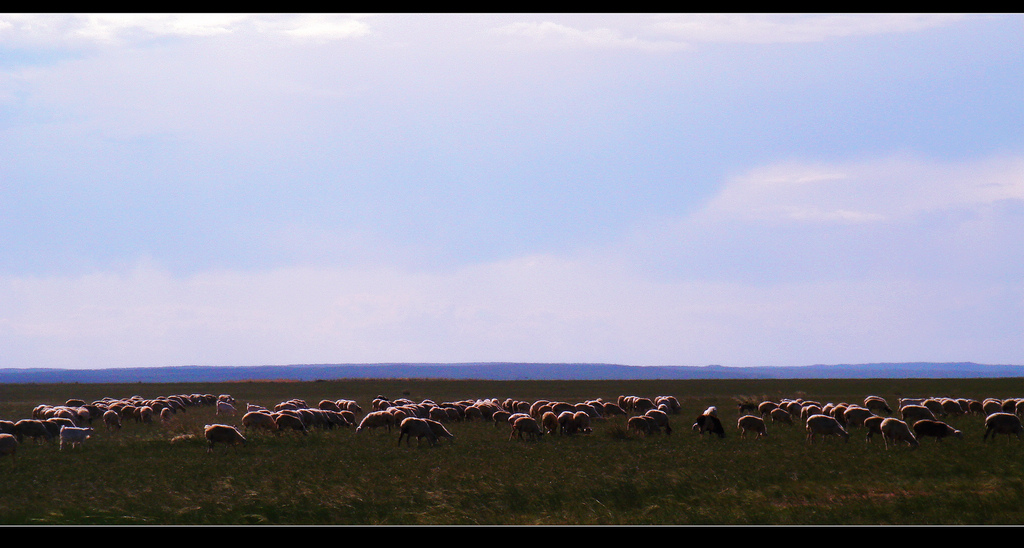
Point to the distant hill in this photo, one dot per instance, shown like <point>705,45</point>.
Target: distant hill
<point>505,371</point>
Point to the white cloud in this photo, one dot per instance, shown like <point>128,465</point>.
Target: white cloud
<point>775,28</point>
<point>872,190</point>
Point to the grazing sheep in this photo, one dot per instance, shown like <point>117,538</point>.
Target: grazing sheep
<point>746,407</point>
<point>751,423</point>
<point>550,422</point>
<point>33,428</point>
<point>376,419</point>
<point>225,408</point>
<point>824,425</point>
<point>895,430</point>
<point>8,445</point>
<point>642,424</point>
<point>259,420</point>
<point>439,430</point>
<point>222,433</point>
<point>660,419</point>
<point>1003,423</point>
<point>935,429</point>
<point>166,415</point>
<point>766,407</point>
<point>855,416</point>
<point>913,413</point>
<point>581,421</point>
<point>781,415</point>
<point>73,436</point>
<point>566,423</point>
<point>111,419</point>
<point>873,425</point>
<point>709,423</point>
<point>877,404</point>
<point>287,421</point>
<point>526,425</point>
<point>415,426</point>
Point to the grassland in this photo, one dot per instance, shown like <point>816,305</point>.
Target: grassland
<point>163,474</point>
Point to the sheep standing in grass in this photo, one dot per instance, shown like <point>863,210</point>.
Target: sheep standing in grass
<point>526,425</point>
<point>1003,423</point>
<point>8,445</point>
<point>439,430</point>
<point>873,425</point>
<point>73,436</point>
<point>376,419</point>
<point>913,413</point>
<point>935,429</point>
<point>222,433</point>
<point>708,422</point>
<point>824,425</point>
<point>660,419</point>
<point>415,426</point>
<point>895,430</point>
<point>751,423</point>
<point>259,420</point>
<point>877,404</point>
<point>780,415</point>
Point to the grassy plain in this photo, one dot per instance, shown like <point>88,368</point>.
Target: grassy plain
<point>140,476</point>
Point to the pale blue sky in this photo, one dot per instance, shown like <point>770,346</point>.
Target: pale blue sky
<point>639,189</point>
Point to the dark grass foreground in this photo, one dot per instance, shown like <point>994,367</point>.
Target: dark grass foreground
<point>162,474</point>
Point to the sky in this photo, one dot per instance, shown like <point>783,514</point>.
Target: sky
<point>650,189</point>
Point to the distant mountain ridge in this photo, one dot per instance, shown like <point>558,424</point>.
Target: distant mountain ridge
<point>504,371</point>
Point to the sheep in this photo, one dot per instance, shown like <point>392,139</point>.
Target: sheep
<point>259,420</point>
<point>935,429</point>
<point>567,423</point>
<point>526,425</point>
<point>8,445</point>
<point>166,415</point>
<point>581,421</point>
<point>855,416</point>
<point>1003,423</point>
<point>824,425</point>
<point>287,421</point>
<point>111,419</point>
<point>660,419</point>
<point>73,436</point>
<point>780,415</point>
<point>376,419</point>
<point>709,423</point>
<point>895,430</point>
<point>225,408</point>
<point>873,425</point>
<point>913,413</point>
<point>222,433</point>
<point>877,404</point>
<point>415,426</point>
<point>439,430</point>
<point>33,428</point>
<point>766,407</point>
<point>642,424</point>
<point>550,422</point>
<point>751,423</point>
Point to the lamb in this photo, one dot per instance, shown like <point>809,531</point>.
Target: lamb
<point>895,430</point>
<point>415,426</point>
<point>935,429</point>
<point>1003,423</point>
<point>526,425</point>
<point>73,436</point>
<point>8,445</point>
<point>824,425</point>
<point>751,423</point>
<point>222,433</point>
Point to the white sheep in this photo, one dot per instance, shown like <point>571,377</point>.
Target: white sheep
<point>550,422</point>
<point>526,425</point>
<point>376,419</point>
<point>225,408</point>
<point>415,426</point>
<point>824,425</point>
<point>855,416</point>
<point>913,413</point>
<point>111,419</point>
<point>439,430</point>
<point>259,420</point>
<point>660,419</point>
<point>895,430</point>
<point>73,436</point>
<point>1002,423</point>
<point>780,415</point>
<point>877,404</point>
<point>751,423</point>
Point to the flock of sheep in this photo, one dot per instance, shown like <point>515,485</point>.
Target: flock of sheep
<point>72,422</point>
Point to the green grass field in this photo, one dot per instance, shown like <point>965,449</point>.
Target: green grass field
<point>163,474</point>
